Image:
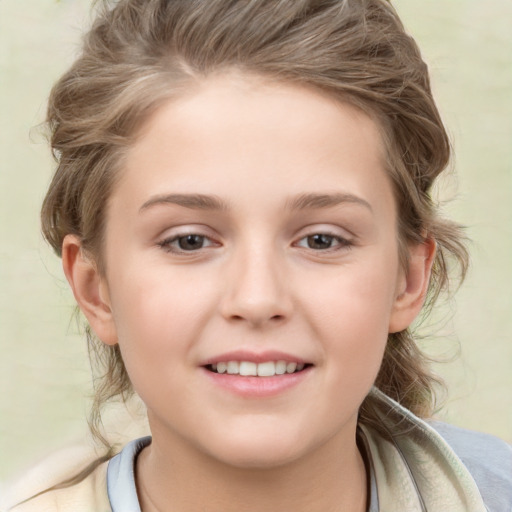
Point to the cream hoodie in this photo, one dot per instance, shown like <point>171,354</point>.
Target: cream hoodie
<point>413,471</point>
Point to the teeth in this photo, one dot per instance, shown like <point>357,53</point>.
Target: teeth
<point>247,368</point>
<point>291,367</point>
<point>280,367</point>
<point>233,367</point>
<point>266,369</point>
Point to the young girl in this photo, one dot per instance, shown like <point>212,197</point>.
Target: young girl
<point>242,206</point>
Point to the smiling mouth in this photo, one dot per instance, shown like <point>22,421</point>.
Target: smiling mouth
<point>251,369</point>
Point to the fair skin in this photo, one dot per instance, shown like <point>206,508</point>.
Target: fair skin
<point>253,222</point>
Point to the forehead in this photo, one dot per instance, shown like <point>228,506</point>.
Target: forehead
<point>234,99</point>
<point>231,130</point>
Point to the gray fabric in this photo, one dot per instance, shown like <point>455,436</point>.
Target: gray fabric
<point>373,496</point>
<point>488,459</point>
<point>122,492</point>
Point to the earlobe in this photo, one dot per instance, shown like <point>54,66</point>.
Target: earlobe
<point>89,288</point>
<point>413,286</point>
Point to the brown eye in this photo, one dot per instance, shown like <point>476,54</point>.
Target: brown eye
<point>324,242</point>
<point>321,241</point>
<point>191,242</point>
<point>186,243</point>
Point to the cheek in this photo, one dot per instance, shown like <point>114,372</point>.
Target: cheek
<point>351,315</point>
<point>152,297</point>
<point>159,313</point>
<point>356,300</point>
<point>154,331</point>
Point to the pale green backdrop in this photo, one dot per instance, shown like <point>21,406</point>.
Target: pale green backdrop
<point>43,369</point>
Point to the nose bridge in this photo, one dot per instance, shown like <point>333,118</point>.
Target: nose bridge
<point>256,290</point>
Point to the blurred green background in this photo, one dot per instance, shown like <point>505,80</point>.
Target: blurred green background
<point>44,375</point>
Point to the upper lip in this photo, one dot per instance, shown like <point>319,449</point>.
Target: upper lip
<point>253,357</point>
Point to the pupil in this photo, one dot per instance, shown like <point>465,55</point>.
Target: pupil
<point>320,241</point>
<point>191,242</point>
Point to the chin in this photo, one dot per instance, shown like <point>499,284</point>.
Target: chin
<point>258,458</point>
<point>260,450</point>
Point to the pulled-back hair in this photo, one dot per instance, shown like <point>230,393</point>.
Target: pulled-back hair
<point>141,53</point>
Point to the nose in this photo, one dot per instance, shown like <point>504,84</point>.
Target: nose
<point>256,289</point>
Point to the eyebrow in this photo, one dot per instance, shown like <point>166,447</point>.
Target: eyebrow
<point>319,201</point>
<point>301,202</point>
<point>193,201</point>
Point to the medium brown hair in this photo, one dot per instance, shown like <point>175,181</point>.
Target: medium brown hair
<point>140,53</point>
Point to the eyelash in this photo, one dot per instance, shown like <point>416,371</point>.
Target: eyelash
<point>169,244</point>
<point>341,243</point>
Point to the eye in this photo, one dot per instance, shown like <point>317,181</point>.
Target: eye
<point>322,242</point>
<point>186,243</point>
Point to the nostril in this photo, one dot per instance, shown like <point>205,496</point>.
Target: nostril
<point>252,319</point>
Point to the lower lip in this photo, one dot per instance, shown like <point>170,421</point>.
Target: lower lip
<point>258,387</point>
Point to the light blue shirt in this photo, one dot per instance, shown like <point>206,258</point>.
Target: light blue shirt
<point>122,491</point>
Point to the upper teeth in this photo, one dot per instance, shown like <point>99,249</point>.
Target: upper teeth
<point>266,369</point>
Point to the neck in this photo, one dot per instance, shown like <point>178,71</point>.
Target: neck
<point>331,479</point>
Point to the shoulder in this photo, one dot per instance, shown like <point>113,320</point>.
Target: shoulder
<point>488,459</point>
<point>88,495</point>
<point>440,458</point>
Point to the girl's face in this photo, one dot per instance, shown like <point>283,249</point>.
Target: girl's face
<point>254,224</point>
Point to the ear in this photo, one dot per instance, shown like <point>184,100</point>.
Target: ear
<point>413,285</point>
<point>89,288</point>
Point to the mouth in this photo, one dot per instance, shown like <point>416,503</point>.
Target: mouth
<point>252,369</point>
<point>252,375</point>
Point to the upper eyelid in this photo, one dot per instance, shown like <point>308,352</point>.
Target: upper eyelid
<point>185,230</point>
<point>325,229</point>
<point>174,232</point>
